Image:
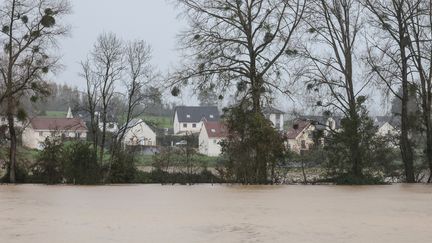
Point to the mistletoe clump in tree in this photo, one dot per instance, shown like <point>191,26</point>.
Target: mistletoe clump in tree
<point>246,44</point>
<point>29,30</point>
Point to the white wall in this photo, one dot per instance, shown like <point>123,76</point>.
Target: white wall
<point>386,130</point>
<point>140,134</point>
<point>179,127</point>
<point>209,146</point>
<point>295,145</point>
<point>176,124</point>
<point>34,139</point>
<point>279,122</point>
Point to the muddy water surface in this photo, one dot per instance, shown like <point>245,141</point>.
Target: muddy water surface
<point>205,213</point>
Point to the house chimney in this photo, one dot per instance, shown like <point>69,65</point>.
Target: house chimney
<point>69,114</point>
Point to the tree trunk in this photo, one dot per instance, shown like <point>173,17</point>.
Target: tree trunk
<point>102,145</point>
<point>429,151</point>
<point>13,142</point>
<point>405,146</point>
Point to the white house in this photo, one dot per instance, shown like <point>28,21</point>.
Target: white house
<point>39,129</point>
<point>300,136</point>
<point>387,125</point>
<point>139,134</point>
<point>275,116</point>
<point>189,119</point>
<point>211,134</point>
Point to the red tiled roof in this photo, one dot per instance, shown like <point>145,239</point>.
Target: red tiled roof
<point>215,129</point>
<point>298,128</point>
<point>63,124</point>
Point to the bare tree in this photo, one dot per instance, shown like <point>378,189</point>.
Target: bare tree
<point>334,75</point>
<point>140,74</point>
<point>92,101</point>
<point>389,58</point>
<point>29,32</point>
<point>420,45</point>
<point>104,69</point>
<point>243,42</point>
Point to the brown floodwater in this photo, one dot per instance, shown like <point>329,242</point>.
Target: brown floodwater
<point>206,213</point>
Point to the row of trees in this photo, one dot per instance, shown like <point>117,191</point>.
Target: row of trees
<point>339,50</point>
<point>29,33</point>
<point>112,66</point>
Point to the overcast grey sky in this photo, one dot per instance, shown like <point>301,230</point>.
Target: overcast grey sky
<point>154,21</point>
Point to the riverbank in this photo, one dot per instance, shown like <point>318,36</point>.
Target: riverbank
<point>206,213</point>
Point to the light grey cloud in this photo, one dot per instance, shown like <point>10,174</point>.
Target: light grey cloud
<point>154,21</point>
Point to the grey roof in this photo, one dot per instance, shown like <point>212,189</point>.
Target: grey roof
<point>134,122</point>
<point>197,113</point>
<point>272,110</point>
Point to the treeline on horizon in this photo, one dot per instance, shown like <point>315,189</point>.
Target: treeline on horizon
<point>333,52</point>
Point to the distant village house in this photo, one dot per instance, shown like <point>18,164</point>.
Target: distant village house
<point>39,129</point>
<point>211,134</point>
<point>275,116</point>
<point>189,119</point>
<point>138,133</point>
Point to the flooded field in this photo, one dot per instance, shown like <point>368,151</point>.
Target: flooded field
<point>205,213</point>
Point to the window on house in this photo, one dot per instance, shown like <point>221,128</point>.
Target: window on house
<point>278,116</point>
<point>185,125</point>
<point>214,141</point>
<point>78,135</point>
<point>213,130</point>
<point>188,116</point>
<point>194,125</point>
<point>40,134</point>
<point>211,116</point>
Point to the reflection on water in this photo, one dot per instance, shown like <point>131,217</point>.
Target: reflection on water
<point>205,213</point>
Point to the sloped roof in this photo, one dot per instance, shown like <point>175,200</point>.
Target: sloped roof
<point>63,124</point>
<point>297,129</point>
<point>137,121</point>
<point>381,120</point>
<point>189,114</point>
<point>215,129</point>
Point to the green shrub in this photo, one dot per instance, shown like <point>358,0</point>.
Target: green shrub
<point>349,179</point>
<point>49,166</point>
<point>81,166</point>
<point>123,169</point>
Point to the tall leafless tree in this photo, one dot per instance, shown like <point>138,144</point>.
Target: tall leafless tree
<point>244,42</point>
<point>104,69</point>
<point>333,55</point>
<point>420,45</point>
<point>29,30</point>
<point>390,61</point>
<point>92,102</point>
<point>139,75</point>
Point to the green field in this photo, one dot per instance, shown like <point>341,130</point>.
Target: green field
<point>55,114</point>
<point>158,121</point>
